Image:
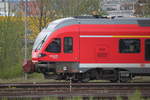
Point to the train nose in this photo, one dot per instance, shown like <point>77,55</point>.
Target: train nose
<point>28,66</point>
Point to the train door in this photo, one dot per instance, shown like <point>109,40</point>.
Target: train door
<point>147,49</point>
<point>70,47</point>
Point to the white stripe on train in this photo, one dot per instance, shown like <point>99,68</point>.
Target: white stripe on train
<point>115,36</point>
<point>113,65</point>
<point>96,36</point>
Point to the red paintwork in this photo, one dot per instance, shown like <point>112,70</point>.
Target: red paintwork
<point>86,49</point>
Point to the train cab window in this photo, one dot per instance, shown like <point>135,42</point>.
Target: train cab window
<point>54,46</point>
<point>147,49</point>
<point>129,45</point>
<point>68,45</point>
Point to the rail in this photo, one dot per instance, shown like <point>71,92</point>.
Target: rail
<point>82,89</point>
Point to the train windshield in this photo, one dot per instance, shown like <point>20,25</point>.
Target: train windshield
<point>45,33</point>
<point>42,37</point>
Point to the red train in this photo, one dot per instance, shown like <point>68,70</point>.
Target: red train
<point>92,48</point>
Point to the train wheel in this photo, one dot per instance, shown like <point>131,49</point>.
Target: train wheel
<point>115,76</point>
<point>114,80</point>
<point>46,76</point>
<point>76,81</point>
<point>50,76</point>
<point>124,80</point>
<point>86,77</point>
<point>81,78</point>
<point>76,78</point>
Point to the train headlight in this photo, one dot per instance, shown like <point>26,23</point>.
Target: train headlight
<point>42,55</point>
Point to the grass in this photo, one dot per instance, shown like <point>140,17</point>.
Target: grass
<point>135,96</point>
<point>32,78</point>
<point>22,80</point>
<point>10,72</point>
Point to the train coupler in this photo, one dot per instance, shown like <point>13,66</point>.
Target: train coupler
<point>28,66</point>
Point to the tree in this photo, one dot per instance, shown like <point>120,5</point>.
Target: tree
<point>10,46</point>
<point>78,7</point>
<point>46,11</point>
<point>142,8</point>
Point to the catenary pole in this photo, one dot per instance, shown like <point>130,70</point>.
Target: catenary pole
<point>25,35</point>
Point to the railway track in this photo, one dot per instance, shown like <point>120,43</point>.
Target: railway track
<point>74,89</point>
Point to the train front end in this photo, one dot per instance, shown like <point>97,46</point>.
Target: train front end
<point>38,54</point>
<point>29,66</point>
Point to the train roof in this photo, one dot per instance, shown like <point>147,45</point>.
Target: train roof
<point>143,22</point>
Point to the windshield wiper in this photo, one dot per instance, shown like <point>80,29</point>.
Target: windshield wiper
<point>40,44</point>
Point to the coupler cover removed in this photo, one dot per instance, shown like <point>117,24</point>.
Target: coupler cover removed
<point>28,66</point>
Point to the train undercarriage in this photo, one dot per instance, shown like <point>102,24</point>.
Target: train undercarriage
<point>55,71</point>
<point>113,75</point>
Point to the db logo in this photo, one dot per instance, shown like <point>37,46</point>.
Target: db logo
<point>142,65</point>
<point>54,56</point>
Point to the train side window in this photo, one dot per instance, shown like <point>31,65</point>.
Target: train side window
<point>68,45</point>
<point>129,45</point>
<point>54,46</point>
